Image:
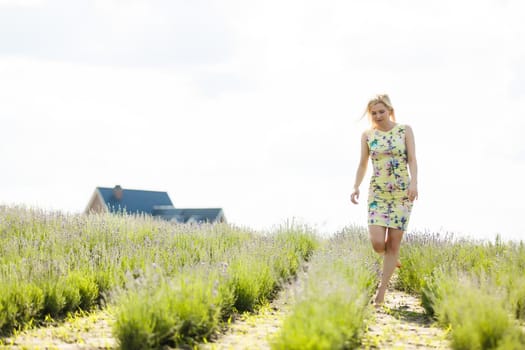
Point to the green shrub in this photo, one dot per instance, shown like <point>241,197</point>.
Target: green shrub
<point>8,312</point>
<point>133,327</point>
<point>252,280</point>
<point>19,304</point>
<point>513,339</point>
<point>332,302</point>
<point>472,308</point>
<point>88,292</point>
<point>77,262</point>
<point>436,287</point>
<point>334,321</point>
<point>301,240</point>
<point>478,320</point>
<point>173,312</point>
<point>54,298</point>
<point>105,280</point>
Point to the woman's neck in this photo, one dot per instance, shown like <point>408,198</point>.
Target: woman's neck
<point>386,125</point>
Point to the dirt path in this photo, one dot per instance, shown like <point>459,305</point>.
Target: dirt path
<point>92,331</point>
<point>253,332</point>
<point>402,324</point>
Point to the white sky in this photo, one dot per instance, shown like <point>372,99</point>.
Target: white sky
<point>255,106</point>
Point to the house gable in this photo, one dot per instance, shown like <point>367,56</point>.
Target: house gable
<point>96,204</point>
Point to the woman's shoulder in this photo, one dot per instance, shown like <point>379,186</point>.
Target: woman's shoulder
<point>407,128</point>
<point>367,133</point>
<point>404,127</point>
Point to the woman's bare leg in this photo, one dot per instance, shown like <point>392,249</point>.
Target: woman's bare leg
<point>378,238</point>
<point>390,261</point>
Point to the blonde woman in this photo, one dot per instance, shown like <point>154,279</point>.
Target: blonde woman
<point>393,184</point>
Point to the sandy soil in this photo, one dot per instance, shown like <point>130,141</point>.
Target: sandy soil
<point>399,324</point>
<point>402,324</point>
<point>254,332</point>
<point>92,331</point>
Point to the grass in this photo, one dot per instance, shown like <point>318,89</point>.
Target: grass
<point>476,289</point>
<point>170,311</point>
<point>333,300</point>
<point>158,309</point>
<point>178,285</point>
<point>170,284</point>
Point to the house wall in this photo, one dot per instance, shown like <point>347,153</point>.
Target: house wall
<point>97,205</point>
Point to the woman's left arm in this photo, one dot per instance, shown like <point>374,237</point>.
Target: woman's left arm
<point>412,163</point>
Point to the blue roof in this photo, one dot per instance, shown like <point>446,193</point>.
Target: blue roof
<point>134,201</point>
<point>184,215</point>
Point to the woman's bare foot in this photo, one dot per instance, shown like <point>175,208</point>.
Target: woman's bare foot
<point>379,298</point>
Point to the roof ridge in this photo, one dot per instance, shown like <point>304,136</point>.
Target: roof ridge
<point>130,189</point>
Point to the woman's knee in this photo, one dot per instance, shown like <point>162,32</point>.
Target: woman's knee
<point>377,238</point>
<point>379,246</point>
<point>393,241</point>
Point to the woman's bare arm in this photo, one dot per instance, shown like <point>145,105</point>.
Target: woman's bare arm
<point>412,163</point>
<point>361,169</point>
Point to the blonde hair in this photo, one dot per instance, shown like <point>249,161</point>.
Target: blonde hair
<point>384,99</point>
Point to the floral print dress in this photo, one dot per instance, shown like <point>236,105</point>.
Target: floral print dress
<point>388,203</point>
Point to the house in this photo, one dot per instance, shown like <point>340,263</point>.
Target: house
<point>154,203</point>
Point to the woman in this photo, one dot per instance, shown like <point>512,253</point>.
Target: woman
<point>392,190</point>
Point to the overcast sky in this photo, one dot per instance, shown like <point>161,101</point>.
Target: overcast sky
<point>255,106</point>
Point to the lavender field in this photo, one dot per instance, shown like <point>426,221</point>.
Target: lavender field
<point>162,285</point>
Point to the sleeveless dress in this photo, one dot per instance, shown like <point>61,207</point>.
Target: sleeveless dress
<point>388,203</point>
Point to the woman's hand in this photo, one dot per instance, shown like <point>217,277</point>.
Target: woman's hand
<point>355,196</point>
<point>412,191</point>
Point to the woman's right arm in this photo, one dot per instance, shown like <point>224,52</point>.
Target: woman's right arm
<point>361,169</point>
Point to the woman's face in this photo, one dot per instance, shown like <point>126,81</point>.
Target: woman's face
<point>379,113</point>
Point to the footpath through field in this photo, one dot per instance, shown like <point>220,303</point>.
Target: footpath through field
<point>255,331</point>
<point>89,332</point>
<point>400,324</point>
